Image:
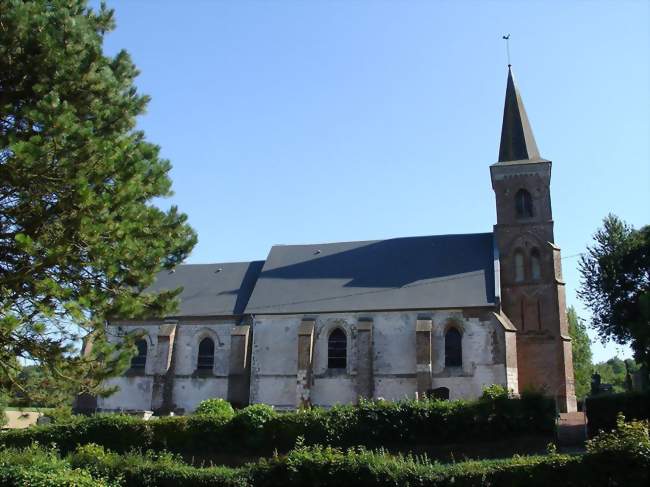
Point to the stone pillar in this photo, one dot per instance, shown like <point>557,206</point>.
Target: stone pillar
<point>365,376</point>
<point>423,356</point>
<point>163,380</point>
<point>305,362</point>
<point>239,370</point>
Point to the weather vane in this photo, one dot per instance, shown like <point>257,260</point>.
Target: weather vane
<point>507,39</point>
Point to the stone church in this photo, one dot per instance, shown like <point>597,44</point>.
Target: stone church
<point>321,324</point>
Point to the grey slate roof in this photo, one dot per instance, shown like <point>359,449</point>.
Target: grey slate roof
<point>517,140</point>
<point>209,292</point>
<point>446,271</point>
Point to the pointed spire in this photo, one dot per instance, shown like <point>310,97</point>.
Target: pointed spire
<point>517,140</point>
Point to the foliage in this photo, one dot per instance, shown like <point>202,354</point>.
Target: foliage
<point>602,410</point>
<point>80,237</point>
<point>614,372</point>
<point>62,415</point>
<point>494,392</point>
<point>215,407</point>
<point>616,285</point>
<point>255,416</point>
<point>3,404</point>
<point>38,388</point>
<point>259,429</point>
<point>617,458</point>
<point>581,349</point>
<point>627,437</point>
<point>153,469</point>
<point>38,467</point>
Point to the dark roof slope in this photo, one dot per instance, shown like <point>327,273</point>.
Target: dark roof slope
<point>446,271</point>
<point>208,291</point>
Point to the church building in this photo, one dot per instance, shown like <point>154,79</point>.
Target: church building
<point>412,317</point>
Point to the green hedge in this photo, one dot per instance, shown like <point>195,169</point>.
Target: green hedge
<point>331,467</point>
<point>325,466</point>
<point>259,430</point>
<point>37,467</point>
<point>602,410</point>
<point>618,458</point>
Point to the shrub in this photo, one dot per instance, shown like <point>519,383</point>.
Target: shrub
<point>153,469</point>
<point>35,466</point>
<point>327,466</point>
<point>254,417</point>
<point>258,429</point>
<point>627,437</point>
<point>495,392</point>
<point>322,466</point>
<point>215,407</point>
<point>602,410</point>
<point>62,414</point>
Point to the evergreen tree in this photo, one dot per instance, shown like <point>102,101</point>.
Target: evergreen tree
<point>79,236</point>
<point>581,348</point>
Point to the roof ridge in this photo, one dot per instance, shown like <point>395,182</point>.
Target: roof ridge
<point>381,239</point>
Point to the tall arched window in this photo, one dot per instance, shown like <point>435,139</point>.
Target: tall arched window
<point>139,360</point>
<point>453,348</point>
<point>205,360</point>
<point>535,266</point>
<point>337,347</point>
<point>519,266</point>
<point>524,204</point>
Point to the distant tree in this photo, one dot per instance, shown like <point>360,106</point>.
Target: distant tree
<point>39,388</point>
<point>581,347</point>
<point>614,370</point>
<point>615,285</point>
<point>80,237</point>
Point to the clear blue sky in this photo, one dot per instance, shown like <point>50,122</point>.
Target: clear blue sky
<point>305,121</point>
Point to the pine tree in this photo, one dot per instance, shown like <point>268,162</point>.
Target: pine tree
<point>80,239</point>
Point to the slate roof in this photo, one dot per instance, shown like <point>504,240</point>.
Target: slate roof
<point>208,291</point>
<point>446,271</point>
<point>517,139</point>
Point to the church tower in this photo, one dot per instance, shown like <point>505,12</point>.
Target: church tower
<point>532,289</point>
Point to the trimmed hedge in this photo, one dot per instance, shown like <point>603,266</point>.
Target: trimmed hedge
<point>258,429</point>
<point>603,410</point>
<point>325,466</point>
<point>330,467</point>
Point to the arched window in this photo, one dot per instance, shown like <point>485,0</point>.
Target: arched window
<point>205,360</point>
<point>140,359</point>
<point>524,204</point>
<point>535,267</point>
<point>337,347</point>
<point>519,266</point>
<point>453,348</point>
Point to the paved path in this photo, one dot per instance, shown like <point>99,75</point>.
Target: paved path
<point>571,429</point>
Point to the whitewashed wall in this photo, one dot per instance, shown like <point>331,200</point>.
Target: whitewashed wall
<point>189,387</point>
<point>275,353</point>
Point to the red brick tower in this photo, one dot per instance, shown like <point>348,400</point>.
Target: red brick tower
<point>532,289</point>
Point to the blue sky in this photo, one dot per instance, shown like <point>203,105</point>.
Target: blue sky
<point>306,121</point>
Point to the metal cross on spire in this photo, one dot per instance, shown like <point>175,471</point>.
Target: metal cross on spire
<point>507,39</point>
